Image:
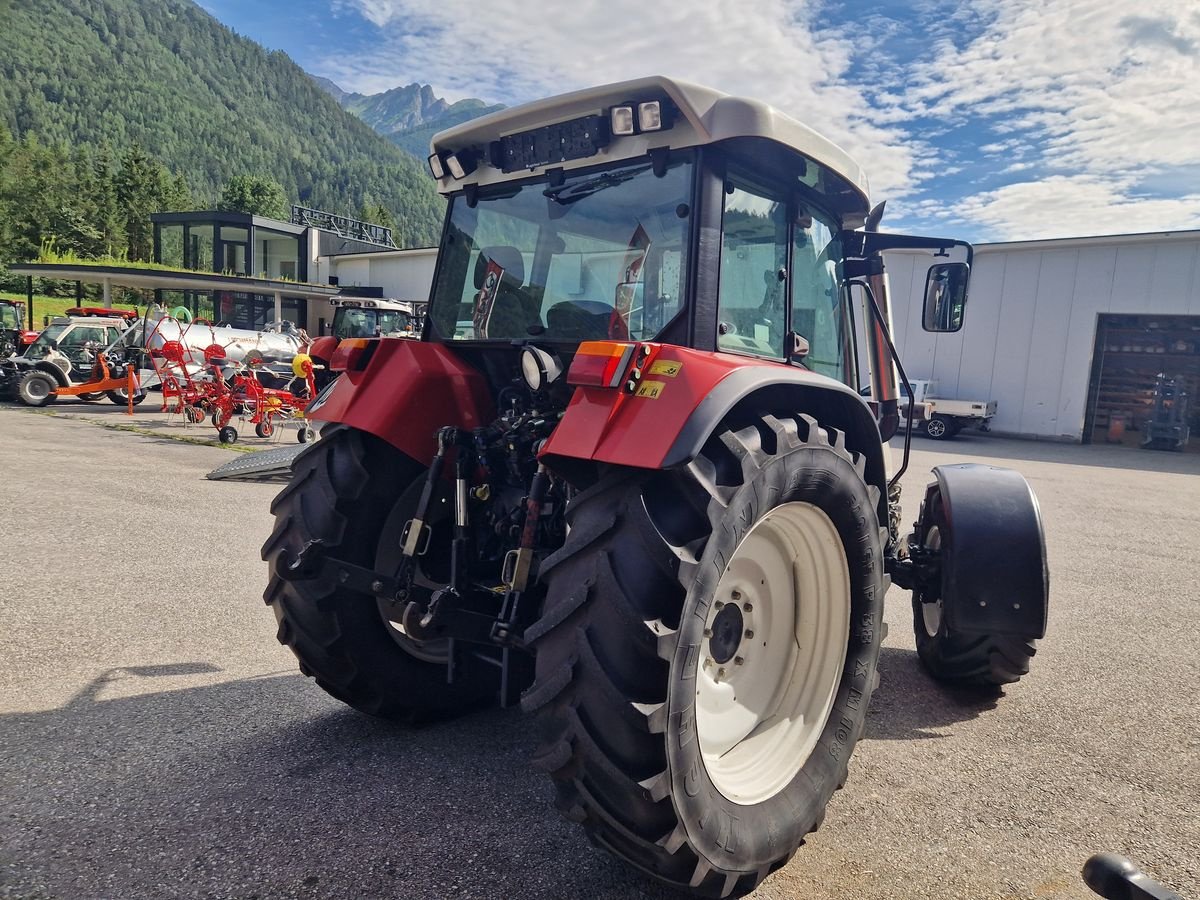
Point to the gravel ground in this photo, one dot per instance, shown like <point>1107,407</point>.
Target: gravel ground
<point>155,740</point>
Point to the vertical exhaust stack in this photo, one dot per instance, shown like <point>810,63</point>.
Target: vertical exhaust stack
<point>883,369</point>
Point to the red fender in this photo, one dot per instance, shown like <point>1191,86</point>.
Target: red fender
<point>639,428</point>
<point>322,348</point>
<point>681,396</point>
<point>408,391</point>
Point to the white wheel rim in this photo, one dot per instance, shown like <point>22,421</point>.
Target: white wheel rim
<point>931,613</point>
<point>936,427</point>
<point>760,713</point>
<point>37,389</point>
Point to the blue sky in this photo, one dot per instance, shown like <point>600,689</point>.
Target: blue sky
<point>990,120</point>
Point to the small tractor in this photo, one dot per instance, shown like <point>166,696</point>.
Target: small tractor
<point>625,478</point>
<point>64,357</point>
<point>14,338</point>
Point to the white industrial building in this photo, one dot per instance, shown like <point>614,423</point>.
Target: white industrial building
<point>1063,334</point>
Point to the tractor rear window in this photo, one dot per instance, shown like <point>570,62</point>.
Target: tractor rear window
<point>599,256</point>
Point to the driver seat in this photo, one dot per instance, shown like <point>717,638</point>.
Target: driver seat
<point>513,310</point>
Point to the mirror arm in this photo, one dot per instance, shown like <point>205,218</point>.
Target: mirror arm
<point>878,316</point>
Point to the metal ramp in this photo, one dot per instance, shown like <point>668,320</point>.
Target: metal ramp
<point>274,465</point>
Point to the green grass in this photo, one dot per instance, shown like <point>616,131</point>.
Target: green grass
<point>51,255</point>
<point>58,306</point>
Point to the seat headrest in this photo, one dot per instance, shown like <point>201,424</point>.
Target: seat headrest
<point>507,258</point>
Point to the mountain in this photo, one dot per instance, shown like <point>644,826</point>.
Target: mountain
<point>206,102</point>
<point>408,115</point>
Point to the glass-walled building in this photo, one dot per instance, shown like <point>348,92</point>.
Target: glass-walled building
<point>232,243</point>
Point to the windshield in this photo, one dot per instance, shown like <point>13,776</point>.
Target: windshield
<point>10,316</point>
<point>41,346</point>
<point>597,256</point>
<point>355,322</point>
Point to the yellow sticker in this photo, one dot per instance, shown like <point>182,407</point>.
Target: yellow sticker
<point>667,367</point>
<point>651,389</point>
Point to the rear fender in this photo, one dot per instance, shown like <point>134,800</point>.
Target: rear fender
<point>685,396</point>
<point>407,391</point>
<point>994,574</point>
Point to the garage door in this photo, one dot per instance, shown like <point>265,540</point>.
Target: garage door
<point>1133,356</point>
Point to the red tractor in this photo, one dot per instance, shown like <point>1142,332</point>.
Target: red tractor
<point>625,476</point>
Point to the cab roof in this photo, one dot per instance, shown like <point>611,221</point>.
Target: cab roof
<point>706,116</point>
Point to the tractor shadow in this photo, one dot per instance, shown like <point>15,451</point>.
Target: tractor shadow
<point>911,706</point>
<point>266,788</point>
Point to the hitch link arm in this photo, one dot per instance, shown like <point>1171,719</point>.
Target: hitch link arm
<point>313,562</point>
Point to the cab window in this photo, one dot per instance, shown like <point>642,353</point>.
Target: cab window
<point>751,296</point>
<point>817,312</point>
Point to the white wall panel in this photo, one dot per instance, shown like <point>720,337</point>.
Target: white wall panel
<point>352,272</point>
<point>1051,321</point>
<point>1132,279</point>
<point>1014,332</point>
<point>1090,295</point>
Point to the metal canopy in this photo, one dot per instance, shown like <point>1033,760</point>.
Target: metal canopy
<point>167,280</point>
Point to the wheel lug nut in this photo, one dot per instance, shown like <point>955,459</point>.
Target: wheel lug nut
<point>718,604</point>
<point>749,633</point>
<point>708,632</point>
<point>737,661</point>
<point>707,661</point>
<point>721,672</point>
<point>748,607</point>
<point>736,595</point>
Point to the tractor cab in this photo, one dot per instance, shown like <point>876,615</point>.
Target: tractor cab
<point>13,336</point>
<point>356,317</point>
<point>663,212</point>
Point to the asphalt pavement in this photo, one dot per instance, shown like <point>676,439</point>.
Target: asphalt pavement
<point>156,741</point>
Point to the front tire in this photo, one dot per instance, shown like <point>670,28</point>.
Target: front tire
<point>973,659</point>
<point>36,389</point>
<point>647,743</point>
<point>346,491</point>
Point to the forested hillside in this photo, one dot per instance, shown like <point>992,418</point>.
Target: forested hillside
<point>208,104</point>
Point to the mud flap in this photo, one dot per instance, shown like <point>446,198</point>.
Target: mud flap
<point>993,552</point>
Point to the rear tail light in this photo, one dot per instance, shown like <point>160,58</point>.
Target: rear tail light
<point>353,354</point>
<point>599,363</point>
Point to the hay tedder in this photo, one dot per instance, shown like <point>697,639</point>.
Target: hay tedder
<point>626,479</point>
<point>223,379</point>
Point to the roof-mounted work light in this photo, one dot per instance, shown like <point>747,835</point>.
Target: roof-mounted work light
<point>461,164</point>
<point>621,120</point>
<point>650,116</point>
<point>436,167</point>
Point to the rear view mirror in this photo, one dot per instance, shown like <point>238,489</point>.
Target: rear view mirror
<point>946,296</point>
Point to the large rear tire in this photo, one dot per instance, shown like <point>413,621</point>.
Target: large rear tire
<point>344,490</point>
<point>971,659</point>
<point>675,595</point>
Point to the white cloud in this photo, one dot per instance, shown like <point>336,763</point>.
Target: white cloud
<point>1095,96</point>
<point>1108,88</point>
<point>505,51</point>
<point>1067,206</point>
